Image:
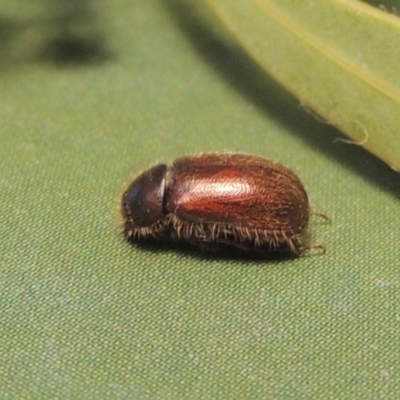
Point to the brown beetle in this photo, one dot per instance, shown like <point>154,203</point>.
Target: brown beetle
<point>219,200</point>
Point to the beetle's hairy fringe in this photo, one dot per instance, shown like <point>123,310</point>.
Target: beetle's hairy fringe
<point>153,231</point>
<point>239,236</point>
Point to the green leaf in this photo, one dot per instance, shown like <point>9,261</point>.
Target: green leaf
<point>339,57</point>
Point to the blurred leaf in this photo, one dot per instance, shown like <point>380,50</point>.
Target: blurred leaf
<point>339,57</point>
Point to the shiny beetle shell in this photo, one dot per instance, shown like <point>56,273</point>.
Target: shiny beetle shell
<point>217,201</point>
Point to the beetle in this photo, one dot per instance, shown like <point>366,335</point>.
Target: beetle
<point>219,201</point>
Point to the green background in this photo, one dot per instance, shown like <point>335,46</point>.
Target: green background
<point>91,93</point>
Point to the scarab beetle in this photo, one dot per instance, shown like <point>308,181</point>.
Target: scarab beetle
<point>219,201</point>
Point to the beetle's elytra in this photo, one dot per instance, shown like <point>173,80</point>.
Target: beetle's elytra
<point>219,201</point>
